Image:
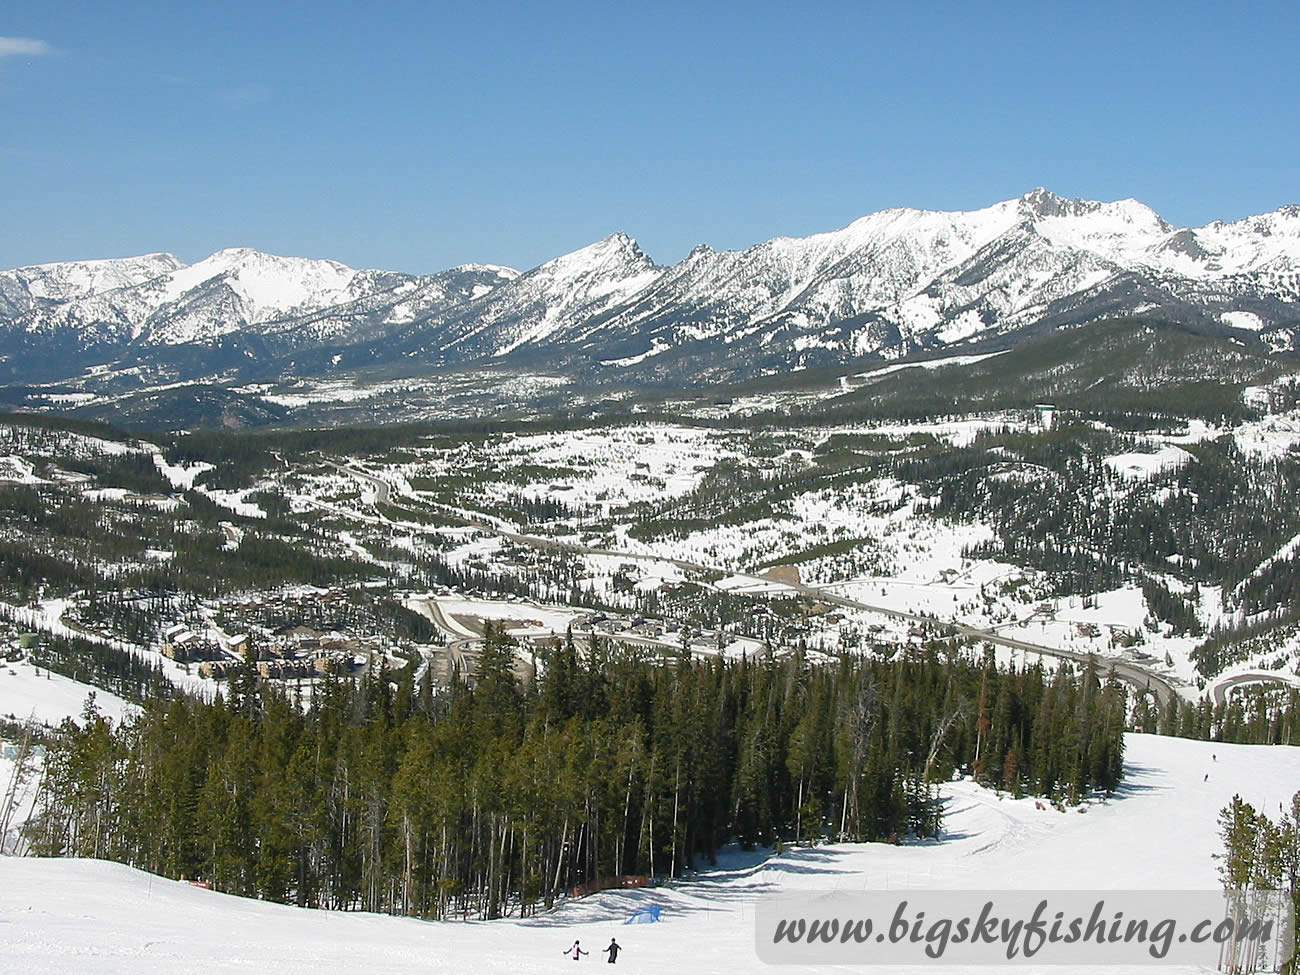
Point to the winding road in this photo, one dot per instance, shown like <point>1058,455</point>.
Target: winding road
<point>1131,673</point>
<point>1220,690</point>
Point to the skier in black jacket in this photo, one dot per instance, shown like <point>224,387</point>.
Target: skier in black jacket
<point>613,949</point>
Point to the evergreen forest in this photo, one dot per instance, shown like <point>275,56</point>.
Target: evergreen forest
<point>493,797</point>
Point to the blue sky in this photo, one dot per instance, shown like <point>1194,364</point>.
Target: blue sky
<point>418,136</point>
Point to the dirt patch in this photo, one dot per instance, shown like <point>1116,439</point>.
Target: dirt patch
<point>788,574</point>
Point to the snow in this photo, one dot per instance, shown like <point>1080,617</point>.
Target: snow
<point>121,494</point>
<point>564,292</point>
<point>1283,554</point>
<point>964,326</point>
<point>266,285</point>
<point>604,468</point>
<point>24,793</point>
<point>181,476</point>
<point>952,360</point>
<point>71,279</point>
<point>49,698</point>
<point>16,470</point>
<point>1270,438</point>
<point>960,432</point>
<point>69,399</point>
<point>47,618</point>
<point>1144,466</point>
<point>657,345</point>
<point>18,436</point>
<point>920,313</point>
<point>1242,319</point>
<point>750,584</point>
<point>526,619</point>
<point>1244,674</point>
<point>234,501</point>
<point>330,391</point>
<point>1269,241</point>
<point>1121,231</point>
<point>271,286</point>
<point>1129,234</point>
<point>1157,833</point>
<point>865,541</point>
<point>904,267</point>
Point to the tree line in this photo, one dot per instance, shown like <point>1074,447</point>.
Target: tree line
<point>495,795</point>
<point>1260,854</point>
<point>1253,715</point>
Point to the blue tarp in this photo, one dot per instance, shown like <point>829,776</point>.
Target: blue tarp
<point>647,915</point>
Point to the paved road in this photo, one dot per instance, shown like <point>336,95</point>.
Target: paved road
<point>455,650</point>
<point>1133,674</point>
<point>1220,692</point>
<point>383,490</point>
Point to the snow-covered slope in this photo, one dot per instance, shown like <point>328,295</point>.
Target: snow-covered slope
<point>891,284</point>
<point>83,279</point>
<point>545,307</point>
<point>826,279</point>
<point>1158,832</point>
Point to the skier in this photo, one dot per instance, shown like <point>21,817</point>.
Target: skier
<point>574,950</point>
<point>613,949</point>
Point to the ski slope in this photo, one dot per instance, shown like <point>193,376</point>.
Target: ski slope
<point>1158,832</point>
<point>27,692</point>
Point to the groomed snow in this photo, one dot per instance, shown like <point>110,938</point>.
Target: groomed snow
<point>49,698</point>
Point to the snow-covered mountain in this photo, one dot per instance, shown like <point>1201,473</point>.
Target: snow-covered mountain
<point>158,300</point>
<point>891,284</point>
<point>904,281</point>
<point>57,319</point>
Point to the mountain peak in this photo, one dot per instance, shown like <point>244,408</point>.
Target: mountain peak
<point>627,244</point>
<point>500,270</point>
<point>618,250</point>
<point>238,257</point>
<point>1090,218</point>
<point>1044,203</point>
